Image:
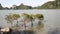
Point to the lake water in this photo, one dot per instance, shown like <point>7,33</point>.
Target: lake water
<point>51,17</point>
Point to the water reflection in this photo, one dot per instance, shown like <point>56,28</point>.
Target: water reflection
<point>54,31</point>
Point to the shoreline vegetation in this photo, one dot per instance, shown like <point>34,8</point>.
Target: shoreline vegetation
<point>48,5</point>
<point>27,18</point>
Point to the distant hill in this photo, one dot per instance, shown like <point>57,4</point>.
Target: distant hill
<point>50,5</point>
<point>21,6</point>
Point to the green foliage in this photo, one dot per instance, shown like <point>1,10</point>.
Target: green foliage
<point>12,17</point>
<point>9,18</point>
<point>50,5</point>
<point>26,19</point>
<point>39,16</point>
<point>22,6</point>
<point>16,16</point>
<point>1,6</point>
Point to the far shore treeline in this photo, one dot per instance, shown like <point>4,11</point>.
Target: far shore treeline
<point>48,5</point>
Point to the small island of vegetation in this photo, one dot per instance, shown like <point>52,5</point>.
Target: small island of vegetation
<point>17,28</point>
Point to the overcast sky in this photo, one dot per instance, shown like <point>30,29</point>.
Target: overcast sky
<point>33,3</point>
